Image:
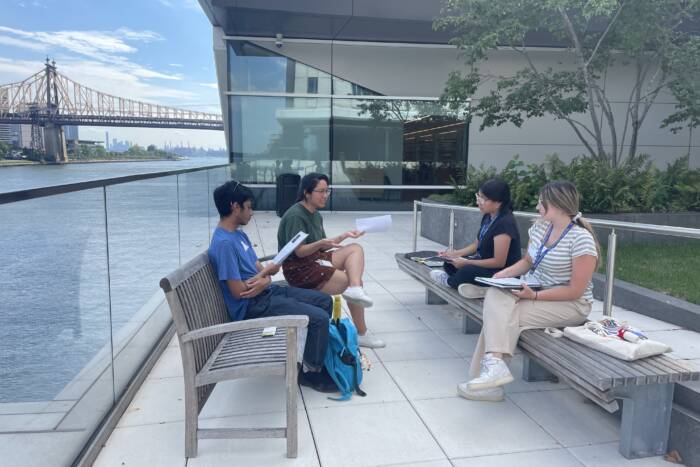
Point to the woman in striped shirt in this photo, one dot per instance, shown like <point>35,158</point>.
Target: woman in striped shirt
<point>562,255</point>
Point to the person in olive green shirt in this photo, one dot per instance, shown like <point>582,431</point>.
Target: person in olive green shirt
<point>322,263</point>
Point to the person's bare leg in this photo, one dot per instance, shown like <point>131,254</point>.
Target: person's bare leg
<point>351,259</point>
<point>336,285</point>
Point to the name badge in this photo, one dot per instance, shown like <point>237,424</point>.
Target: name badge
<point>245,247</point>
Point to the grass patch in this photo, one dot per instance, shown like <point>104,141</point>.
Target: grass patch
<point>671,269</point>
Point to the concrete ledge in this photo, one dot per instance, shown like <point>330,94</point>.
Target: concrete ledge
<point>650,303</point>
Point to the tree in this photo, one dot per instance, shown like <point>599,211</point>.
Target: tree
<point>650,35</point>
<point>4,149</point>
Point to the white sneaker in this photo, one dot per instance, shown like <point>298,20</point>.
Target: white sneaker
<point>472,291</point>
<point>439,276</point>
<point>494,373</point>
<point>491,395</point>
<point>357,295</point>
<point>370,341</point>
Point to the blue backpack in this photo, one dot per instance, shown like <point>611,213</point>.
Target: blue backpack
<point>342,360</point>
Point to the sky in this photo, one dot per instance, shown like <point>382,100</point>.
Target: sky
<point>157,51</point>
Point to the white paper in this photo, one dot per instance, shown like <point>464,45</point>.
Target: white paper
<point>374,224</point>
<point>508,282</point>
<point>289,247</point>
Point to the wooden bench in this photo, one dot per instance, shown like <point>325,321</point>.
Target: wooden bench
<point>645,386</point>
<point>215,349</point>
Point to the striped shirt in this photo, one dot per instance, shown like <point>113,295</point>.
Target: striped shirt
<point>556,266</point>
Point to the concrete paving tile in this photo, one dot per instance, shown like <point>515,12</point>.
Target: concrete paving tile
<point>439,317</point>
<point>157,401</point>
<point>402,285</point>
<point>372,434</point>
<point>429,379</point>
<point>169,364</point>
<point>411,298</point>
<point>569,417</point>
<point>440,463</point>
<point>607,455</point>
<point>413,345</point>
<point>463,344</point>
<point>685,344</point>
<point>41,449</point>
<point>150,445</point>
<point>376,382</point>
<point>388,320</point>
<point>268,452</point>
<point>553,457</point>
<point>469,428</point>
<point>380,275</point>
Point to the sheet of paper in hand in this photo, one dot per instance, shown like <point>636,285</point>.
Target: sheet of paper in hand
<point>290,247</point>
<point>374,224</point>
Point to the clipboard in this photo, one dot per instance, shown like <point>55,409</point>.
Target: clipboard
<point>290,247</point>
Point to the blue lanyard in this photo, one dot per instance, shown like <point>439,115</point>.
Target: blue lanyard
<point>541,252</point>
<point>485,228</point>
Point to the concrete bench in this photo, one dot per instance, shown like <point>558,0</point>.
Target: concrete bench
<point>645,386</point>
<point>215,349</point>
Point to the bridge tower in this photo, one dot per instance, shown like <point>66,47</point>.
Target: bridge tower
<point>54,140</point>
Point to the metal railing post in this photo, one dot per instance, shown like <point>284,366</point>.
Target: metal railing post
<point>415,225</point>
<point>610,274</point>
<point>451,242</point>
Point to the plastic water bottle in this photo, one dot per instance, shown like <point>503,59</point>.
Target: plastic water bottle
<point>337,309</point>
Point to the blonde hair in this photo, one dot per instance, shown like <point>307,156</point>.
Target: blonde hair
<point>563,195</point>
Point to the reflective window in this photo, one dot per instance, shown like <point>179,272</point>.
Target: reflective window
<point>273,135</point>
<point>395,142</point>
<point>252,68</point>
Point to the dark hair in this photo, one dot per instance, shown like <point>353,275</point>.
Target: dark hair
<point>498,190</point>
<point>229,193</point>
<point>308,184</point>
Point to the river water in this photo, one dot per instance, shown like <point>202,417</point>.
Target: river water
<point>58,309</point>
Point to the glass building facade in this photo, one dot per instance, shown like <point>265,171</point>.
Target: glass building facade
<point>381,152</point>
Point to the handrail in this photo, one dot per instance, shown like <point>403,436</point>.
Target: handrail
<point>41,192</point>
<point>685,232</point>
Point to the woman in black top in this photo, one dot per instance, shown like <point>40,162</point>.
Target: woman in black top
<point>496,246</point>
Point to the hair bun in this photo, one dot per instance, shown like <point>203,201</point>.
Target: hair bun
<point>577,217</point>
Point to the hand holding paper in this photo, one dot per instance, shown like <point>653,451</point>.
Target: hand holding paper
<point>374,224</point>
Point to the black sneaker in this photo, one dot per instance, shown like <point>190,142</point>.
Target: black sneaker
<point>319,381</point>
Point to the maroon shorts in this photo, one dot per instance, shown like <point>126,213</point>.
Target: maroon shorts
<point>306,272</point>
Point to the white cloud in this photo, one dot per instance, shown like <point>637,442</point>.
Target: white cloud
<point>185,4</point>
<point>101,45</point>
<point>210,85</point>
<point>177,65</point>
<point>14,42</point>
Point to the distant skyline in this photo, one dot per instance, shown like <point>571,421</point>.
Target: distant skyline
<point>157,51</point>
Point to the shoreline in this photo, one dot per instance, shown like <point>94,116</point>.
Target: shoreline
<point>91,161</point>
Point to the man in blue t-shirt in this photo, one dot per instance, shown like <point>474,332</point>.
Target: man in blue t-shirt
<point>247,288</point>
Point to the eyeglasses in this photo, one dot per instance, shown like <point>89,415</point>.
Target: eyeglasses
<point>326,192</point>
<point>479,197</point>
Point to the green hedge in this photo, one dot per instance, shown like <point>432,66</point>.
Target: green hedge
<point>637,186</point>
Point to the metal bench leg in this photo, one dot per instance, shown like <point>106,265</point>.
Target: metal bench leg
<point>431,298</point>
<point>470,326</point>
<point>533,371</point>
<point>646,419</point>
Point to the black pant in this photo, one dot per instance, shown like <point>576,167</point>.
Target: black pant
<point>466,274</point>
<point>318,306</point>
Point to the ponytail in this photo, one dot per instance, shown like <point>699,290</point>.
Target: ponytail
<point>581,221</point>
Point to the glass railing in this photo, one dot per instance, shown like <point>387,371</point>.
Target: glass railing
<point>80,306</point>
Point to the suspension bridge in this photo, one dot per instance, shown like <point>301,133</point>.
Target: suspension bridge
<point>49,100</point>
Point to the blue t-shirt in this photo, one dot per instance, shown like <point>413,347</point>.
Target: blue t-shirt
<point>233,258</point>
